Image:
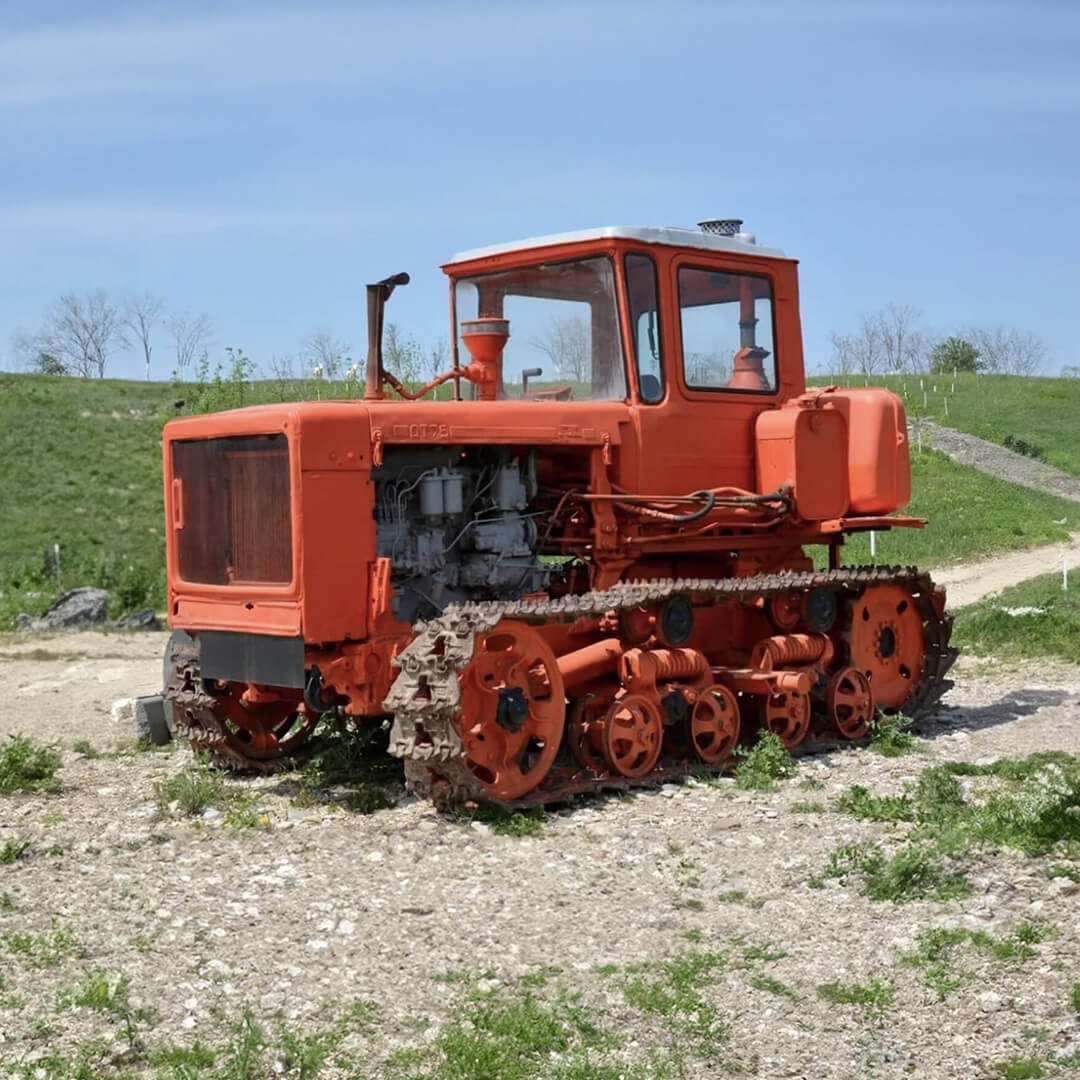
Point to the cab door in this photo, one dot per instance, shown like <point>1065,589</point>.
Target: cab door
<point>718,334</point>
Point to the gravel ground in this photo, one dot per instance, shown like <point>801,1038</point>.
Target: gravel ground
<point>410,911</point>
<point>997,460</point>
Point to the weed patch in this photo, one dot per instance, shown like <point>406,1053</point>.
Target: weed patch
<point>27,767</point>
<point>194,789</point>
<point>520,823</point>
<point>13,851</point>
<point>890,737</point>
<point>110,996</point>
<point>874,996</point>
<point>912,873</point>
<point>767,761</point>
<point>934,949</point>
<point>858,802</point>
<point>771,985</point>
<point>675,993</point>
<point>43,949</point>
<point>1021,1069</point>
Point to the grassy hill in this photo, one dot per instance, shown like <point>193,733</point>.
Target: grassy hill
<point>1042,413</point>
<point>82,468</point>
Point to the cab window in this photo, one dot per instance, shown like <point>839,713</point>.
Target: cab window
<point>642,290</point>
<point>565,343</point>
<point>727,331</point>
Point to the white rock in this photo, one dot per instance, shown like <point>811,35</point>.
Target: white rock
<point>989,1001</point>
<point>123,711</point>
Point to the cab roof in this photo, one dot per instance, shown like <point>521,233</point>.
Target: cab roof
<point>648,234</point>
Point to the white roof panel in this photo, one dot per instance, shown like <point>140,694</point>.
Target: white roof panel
<point>651,234</point>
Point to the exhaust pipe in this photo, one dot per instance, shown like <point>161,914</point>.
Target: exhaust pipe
<point>377,295</point>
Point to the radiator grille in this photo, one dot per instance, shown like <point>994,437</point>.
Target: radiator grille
<point>235,521</point>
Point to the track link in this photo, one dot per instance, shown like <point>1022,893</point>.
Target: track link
<point>425,698</point>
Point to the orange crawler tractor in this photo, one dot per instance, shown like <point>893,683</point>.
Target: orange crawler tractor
<point>555,581</point>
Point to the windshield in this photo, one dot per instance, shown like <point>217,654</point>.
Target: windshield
<point>563,321</point>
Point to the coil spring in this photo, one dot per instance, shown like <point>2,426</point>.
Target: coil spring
<point>787,649</point>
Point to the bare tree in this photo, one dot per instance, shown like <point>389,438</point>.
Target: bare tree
<point>902,341</point>
<point>191,334</point>
<point>402,356</point>
<point>889,340</point>
<point>79,335</point>
<point>1007,349</point>
<point>862,351</point>
<point>568,346</point>
<point>327,353</point>
<point>141,314</point>
<point>437,358</point>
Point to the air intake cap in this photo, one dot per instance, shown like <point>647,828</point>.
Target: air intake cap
<point>725,226</point>
<point>731,227</point>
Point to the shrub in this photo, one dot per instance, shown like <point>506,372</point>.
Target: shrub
<point>26,767</point>
<point>768,760</point>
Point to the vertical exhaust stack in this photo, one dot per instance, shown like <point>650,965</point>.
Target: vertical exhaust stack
<point>377,295</point>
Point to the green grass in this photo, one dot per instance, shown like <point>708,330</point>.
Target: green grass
<point>874,997</point>
<point>911,873</point>
<point>970,514</point>
<point>1031,805</point>
<point>44,948</point>
<point>197,787</point>
<point>934,950</point>
<point>110,996</point>
<point>765,762</point>
<point>673,990</point>
<point>88,479</point>
<point>27,767</point>
<point>858,802</point>
<point>520,823</point>
<point>1021,1069</point>
<point>1040,412</point>
<point>890,737</point>
<point>89,452</point>
<point>1053,630</point>
<point>13,851</point>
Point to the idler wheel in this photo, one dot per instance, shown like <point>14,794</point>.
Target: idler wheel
<point>512,710</point>
<point>887,643</point>
<point>850,703</point>
<point>714,724</point>
<point>266,731</point>
<point>787,715</point>
<point>785,610</point>
<point>633,734</point>
<point>584,731</point>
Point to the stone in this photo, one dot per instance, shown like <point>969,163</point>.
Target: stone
<point>85,606</point>
<point>139,620</point>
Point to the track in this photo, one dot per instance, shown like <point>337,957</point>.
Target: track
<point>425,698</point>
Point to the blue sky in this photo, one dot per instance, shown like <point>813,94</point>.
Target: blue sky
<point>261,162</point>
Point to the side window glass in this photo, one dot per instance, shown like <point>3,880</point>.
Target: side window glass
<point>645,321</point>
<point>727,331</point>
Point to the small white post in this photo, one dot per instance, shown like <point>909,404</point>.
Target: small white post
<point>1065,573</point>
<point>873,544</point>
<point>946,406</point>
<point>924,400</point>
<point>918,437</point>
<point>56,559</point>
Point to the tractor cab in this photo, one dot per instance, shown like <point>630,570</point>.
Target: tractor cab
<point>643,315</point>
